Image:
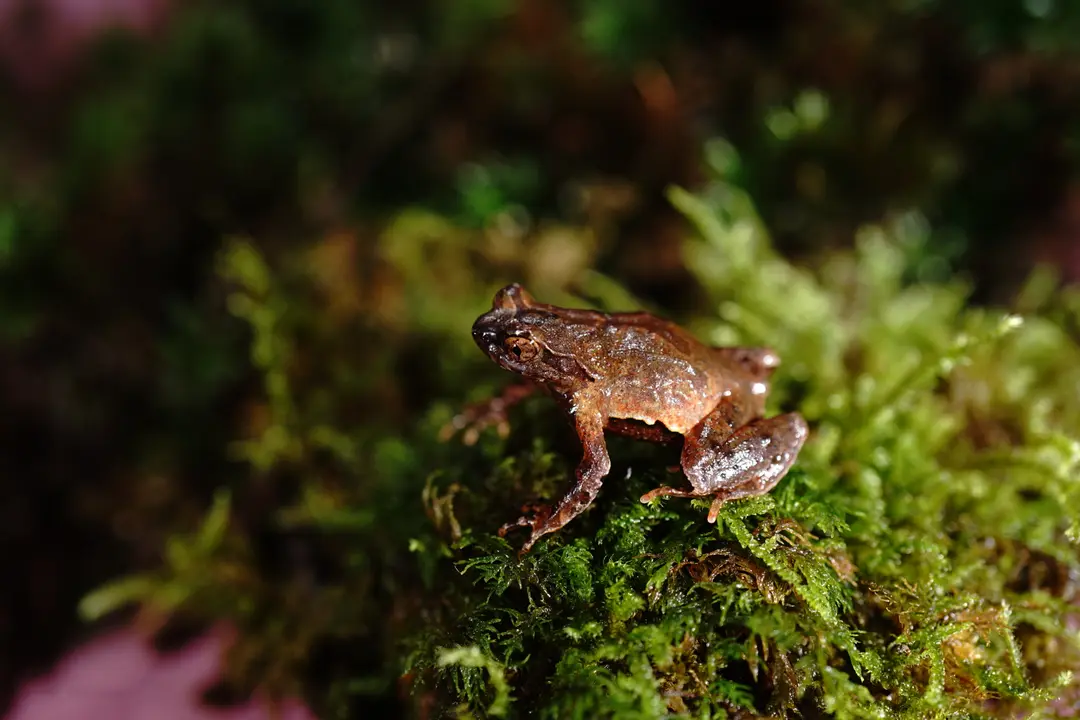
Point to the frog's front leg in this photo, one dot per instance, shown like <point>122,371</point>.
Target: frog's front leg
<point>487,413</point>
<point>594,466</point>
<point>731,464</point>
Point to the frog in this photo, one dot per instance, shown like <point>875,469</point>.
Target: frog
<point>638,375</point>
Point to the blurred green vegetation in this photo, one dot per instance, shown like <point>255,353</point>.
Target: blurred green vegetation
<point>245,252</point>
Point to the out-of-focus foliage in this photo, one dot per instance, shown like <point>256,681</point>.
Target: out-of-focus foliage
<point>244,251</point>
<point>917,562</point>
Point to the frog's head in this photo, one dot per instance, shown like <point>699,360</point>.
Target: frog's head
<point>519,333</point>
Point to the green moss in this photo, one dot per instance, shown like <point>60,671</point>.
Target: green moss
<point>915,562</point>
<point>878,580</point>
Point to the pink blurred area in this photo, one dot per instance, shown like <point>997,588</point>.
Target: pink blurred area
<point>41,40</point>
<point>119,676</point>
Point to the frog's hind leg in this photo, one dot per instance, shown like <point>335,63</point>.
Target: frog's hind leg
<point>709,433</point>
<point>746,462</point>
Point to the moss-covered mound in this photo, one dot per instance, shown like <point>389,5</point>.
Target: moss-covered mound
<point>919,560</point>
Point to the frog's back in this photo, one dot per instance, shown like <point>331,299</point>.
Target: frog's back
<point>649,369</point>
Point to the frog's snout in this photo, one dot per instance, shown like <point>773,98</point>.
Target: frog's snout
<point>484,333</point>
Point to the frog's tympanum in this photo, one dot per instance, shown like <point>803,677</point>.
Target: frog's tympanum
<point>638,375</point>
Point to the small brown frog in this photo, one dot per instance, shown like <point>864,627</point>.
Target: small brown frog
<point>637,375</point>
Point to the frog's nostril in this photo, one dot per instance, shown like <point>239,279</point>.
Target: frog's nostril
<point>484,334</point>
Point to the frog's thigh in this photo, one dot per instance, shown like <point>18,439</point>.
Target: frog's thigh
<point>700,444</point>
<point>749,461</point>
<point>699,448</point>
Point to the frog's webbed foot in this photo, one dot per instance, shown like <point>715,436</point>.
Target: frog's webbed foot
<point>492,412</point>
<point>745,463</point>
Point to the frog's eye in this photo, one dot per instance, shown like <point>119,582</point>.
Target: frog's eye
<point>524,348</point>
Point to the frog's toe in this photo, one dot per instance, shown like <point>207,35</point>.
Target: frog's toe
<point>527,546</point>
<point>514,524</point>
<point>714,509</point>
<point>651,495</point>
<point>665,491</point>
<point>524,522</point>
<point>539,514</point>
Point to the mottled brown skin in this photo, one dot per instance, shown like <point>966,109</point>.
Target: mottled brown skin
<point>638,375</point>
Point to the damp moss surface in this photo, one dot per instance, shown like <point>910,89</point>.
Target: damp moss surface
<point>918,561</point>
